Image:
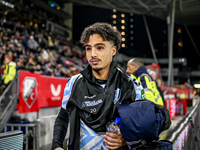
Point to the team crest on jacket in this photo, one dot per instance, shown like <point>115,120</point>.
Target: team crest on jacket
<point>29,90</point>
<point>117,95</point>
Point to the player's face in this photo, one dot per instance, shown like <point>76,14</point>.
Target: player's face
<point>99,53</point>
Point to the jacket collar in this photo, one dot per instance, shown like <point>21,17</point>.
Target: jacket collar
<point>87,72</point>
<point>140,71</point>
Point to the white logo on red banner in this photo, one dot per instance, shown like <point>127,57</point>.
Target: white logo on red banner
<point>29,90</point>
<point>56,92</point>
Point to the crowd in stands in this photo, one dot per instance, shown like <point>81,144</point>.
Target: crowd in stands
<point>39,51</point>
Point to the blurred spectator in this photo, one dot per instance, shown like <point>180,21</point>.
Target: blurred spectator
<point>51,55</point>
<point>40,61</point>
<point>58,58</point>
<point>32,44</point>
<point>31,65</point>
<point>20,50</point>
<point>9,72</point>
<point>48,69</point>
<point>38,50</point>
<point>25,43</point>
<point>73,71</point>
<point>50,43</point>
<point>21,65</point>
<point>159,82</point>
<point>3,53</point>
<point>39,69</point>
<point>153,74</point>
<point>45,55</point>
<point>39,38</point>
<point>56,42</point>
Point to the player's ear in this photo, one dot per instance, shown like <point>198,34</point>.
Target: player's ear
<point>114,50</point>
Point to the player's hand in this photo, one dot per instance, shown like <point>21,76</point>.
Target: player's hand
<point>113,140</point>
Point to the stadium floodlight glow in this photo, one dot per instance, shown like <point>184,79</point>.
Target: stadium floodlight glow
<point>122,15</point>
<point>114,16</point>
<point>122,27</point>
<point>123,45</point>
<point>197,86</point>
<point>114,10</point>
<point>7,4</point>
<point>122,21</point>
<point>180,44</point>
<point>123,33</point>
<point>179,30</point>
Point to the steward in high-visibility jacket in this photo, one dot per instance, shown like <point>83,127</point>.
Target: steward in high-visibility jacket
<point>9,71</point>
<point>149,85</point>
<point>137,70</point>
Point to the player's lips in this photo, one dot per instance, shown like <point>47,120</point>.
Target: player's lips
<point>94,62</point>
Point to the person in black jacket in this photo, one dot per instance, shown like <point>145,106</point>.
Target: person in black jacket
<point>91,98</point>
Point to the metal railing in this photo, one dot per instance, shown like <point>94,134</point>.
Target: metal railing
<point>8,101</point>
<point>11,140</point>
<point>30,131</point>
<point>185,134</point>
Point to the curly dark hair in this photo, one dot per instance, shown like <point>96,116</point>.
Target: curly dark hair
<point>105,30</point>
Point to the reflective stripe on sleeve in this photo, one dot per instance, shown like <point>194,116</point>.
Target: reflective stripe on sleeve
<point>156,99</point>
<point>147,89</point>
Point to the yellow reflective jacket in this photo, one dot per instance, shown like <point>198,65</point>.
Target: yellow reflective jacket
<point>150,88</point>
<point>9,72</point>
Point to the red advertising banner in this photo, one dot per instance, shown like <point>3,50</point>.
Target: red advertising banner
<point>36,91</point>
<point>172,107</point>
<point>52,91</point>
